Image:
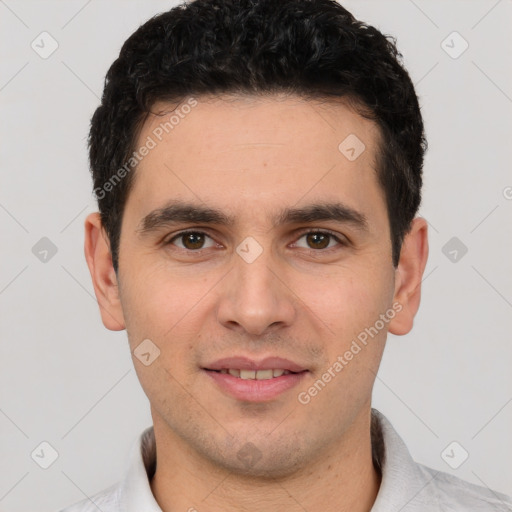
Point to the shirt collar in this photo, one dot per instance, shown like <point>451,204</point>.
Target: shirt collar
<point>401,486</point>
<point>404,486</point>
<point>135,493</point>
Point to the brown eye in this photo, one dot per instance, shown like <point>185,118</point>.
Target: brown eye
<point>318,240</point>
<point>191,240</point>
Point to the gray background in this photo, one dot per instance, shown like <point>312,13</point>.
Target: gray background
<point>66,380</point>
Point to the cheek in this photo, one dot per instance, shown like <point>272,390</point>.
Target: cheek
<point>164,309</point>
<point>350,305</point>
<point>346,301</point>
<point>170,307</point>
<point>154,301</point>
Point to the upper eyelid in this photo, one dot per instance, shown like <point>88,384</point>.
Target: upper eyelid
<point>341,238</point>
<point>185,232</point>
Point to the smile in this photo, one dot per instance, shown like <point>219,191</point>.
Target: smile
<point>255,374</point>
<point>255,385</point>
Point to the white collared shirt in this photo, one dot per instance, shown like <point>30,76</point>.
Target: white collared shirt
<point>405,487</point>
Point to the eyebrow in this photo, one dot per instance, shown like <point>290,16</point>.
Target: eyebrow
<point>178,211</point>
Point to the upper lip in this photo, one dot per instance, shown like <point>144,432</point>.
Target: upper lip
<point>245,363</point>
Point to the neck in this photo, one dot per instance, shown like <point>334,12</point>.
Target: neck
<point>343,479</point>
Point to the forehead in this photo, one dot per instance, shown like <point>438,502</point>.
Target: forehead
<point>246,148</point>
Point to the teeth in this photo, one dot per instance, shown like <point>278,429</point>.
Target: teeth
<point>264,374</point>
<point>247,374</point>
<point>255,375</point>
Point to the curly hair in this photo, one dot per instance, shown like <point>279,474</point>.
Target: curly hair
<point>311,48</point>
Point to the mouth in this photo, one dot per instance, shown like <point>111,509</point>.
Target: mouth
<point>251,381</point>
<point>271,373</point>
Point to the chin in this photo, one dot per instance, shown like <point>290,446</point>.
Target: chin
<point>259,459</point>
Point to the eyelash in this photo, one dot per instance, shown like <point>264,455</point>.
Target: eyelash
<point>342,243</point>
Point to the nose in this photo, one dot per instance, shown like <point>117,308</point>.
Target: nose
<point>255,297</point>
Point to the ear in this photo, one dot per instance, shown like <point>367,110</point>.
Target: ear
<point>104,279</point>
<point>408,276</point>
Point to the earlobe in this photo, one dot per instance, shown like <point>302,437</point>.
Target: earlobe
<point>409,274</point>
<point>104,279</point>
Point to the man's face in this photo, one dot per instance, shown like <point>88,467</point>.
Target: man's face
<point>269,284</point>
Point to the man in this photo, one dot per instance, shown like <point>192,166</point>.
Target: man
<point>258,170</point>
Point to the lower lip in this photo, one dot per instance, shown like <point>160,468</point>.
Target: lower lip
<point>252,390</point>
